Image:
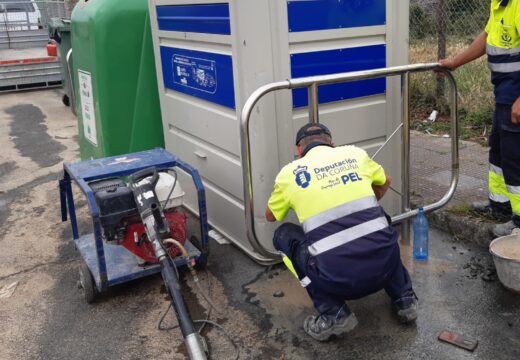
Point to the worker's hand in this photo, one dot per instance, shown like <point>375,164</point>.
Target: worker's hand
<point>380,190</point>
<point>448,64</point>
<point>269,216</point>
<point>515,112</point>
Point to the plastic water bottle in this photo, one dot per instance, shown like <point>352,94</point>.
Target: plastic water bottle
<point>420,236</point>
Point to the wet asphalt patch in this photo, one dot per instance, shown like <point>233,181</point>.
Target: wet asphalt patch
<point>6,198</point>
<point>6,168</point>
<point>30,137</point>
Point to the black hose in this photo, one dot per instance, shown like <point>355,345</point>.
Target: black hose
<point>181,310</point>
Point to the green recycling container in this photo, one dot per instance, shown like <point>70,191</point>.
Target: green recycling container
<point>59,30</point>
<point>116,94</point>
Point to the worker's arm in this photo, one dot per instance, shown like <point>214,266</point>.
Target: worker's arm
<point>474,51</point>
<point>380,190</point>
<point>269,216</point>
<point>515,112</point>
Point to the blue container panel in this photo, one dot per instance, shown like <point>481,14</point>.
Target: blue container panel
<point>207,76</point>
<point>338,61</point>
<point>201,18</point>
<point>310,15</point>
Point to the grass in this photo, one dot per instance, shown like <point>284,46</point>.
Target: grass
<point>475,94</point>
<point>467,211</point>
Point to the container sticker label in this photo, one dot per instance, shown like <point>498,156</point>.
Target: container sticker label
<point>195,73</point>
<point>204,75</point>
<point>87,106</point>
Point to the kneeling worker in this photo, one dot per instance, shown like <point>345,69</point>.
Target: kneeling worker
<point>345,248</point>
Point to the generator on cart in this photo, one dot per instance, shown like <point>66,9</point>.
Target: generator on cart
<point>139,227</point>
<point>120,220</point>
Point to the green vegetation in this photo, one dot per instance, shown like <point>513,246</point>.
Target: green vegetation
<point>466,211</point>
<point>476,101</point>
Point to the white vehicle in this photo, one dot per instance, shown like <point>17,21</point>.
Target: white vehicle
<point>19,15</point>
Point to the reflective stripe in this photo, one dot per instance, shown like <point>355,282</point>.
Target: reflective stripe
<point>515,202</point>
<point>339,212</point>
<point>348,235</point>
<point>504,67</point>
<point>513,189</point>
<point>305,282</point>
<point>289,265</point>
<point>495,50</point>
<point>497,186</point>
<point>497,170</point>
<point>498,198</point>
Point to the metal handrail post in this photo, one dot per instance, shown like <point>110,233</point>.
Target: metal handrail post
<point>314,81</point>
<point>405,155</point>
<point>314,113</point>
<point>454,154</point>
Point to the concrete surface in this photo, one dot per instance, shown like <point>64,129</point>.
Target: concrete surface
<point>47,318</point>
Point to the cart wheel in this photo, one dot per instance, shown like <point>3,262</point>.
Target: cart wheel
<point>87,283</point>
<point>201,264</point>
<point>65,100</point>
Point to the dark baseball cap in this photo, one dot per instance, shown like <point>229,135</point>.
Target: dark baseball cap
<point>317,129</point>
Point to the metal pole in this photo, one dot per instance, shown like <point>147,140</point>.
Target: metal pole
<point>314,113</point>
<point>71,82</point>
<point>454,155</point>
<point>405,155</point>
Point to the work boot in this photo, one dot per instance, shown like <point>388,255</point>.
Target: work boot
<point>321,328</point>
<point>406,308</point>
<point>505,229</point>
<point>486,209</point>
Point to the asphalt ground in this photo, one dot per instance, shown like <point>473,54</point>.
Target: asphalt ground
<point>46,316</point>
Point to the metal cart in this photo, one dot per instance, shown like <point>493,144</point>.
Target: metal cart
<point>106,265</point>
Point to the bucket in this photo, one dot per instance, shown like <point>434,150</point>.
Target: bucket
<point>506,255</point>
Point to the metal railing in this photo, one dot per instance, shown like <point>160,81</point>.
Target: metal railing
<point>23,15</point>
<point>312,83</point>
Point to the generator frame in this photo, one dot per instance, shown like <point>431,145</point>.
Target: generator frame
<point>112,264</point>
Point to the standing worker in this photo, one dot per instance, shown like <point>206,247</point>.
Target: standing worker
<point>501,41</point>
<point>345,248</point>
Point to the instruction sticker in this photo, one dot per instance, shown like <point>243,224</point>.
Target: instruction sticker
<point>195,73</point>
<point>87,106</point>
<point>201,74</point>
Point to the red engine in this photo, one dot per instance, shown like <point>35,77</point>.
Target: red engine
<point>135,237</point>
<point>122,224</point>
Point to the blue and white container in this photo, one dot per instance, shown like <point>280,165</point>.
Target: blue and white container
<point>211,55</point>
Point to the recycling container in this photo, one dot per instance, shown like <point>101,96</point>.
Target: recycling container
<point>59,30</point>
<point>212,54</point>
<point>116,94</point>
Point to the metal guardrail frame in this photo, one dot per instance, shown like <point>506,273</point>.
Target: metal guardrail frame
<point>312,83</point>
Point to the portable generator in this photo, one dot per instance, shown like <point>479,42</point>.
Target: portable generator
<point>139,227</point>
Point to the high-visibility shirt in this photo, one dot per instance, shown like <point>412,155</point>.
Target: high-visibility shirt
<point>503,49</point>
<point>347,233</point>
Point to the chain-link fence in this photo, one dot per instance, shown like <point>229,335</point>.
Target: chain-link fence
<point>442,29</point>
<point>23,15</point>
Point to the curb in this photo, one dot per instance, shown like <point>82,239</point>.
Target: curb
<point>462,228</point>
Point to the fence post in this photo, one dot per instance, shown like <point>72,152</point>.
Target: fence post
<point>441,43</point>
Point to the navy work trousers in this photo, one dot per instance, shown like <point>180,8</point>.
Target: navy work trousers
<point>290,240</point>
<point>504,153</point>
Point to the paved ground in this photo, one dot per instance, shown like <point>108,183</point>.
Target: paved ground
<point>431,170</point>
<point>46,317</point>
